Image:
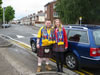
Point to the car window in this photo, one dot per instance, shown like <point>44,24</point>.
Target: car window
<point>96,35</point>
<point>78,36</point>
<point>66,30</point>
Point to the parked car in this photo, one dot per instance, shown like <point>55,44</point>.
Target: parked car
<point>83,46</point>
<point>33,42</point>
<point>5,25</point>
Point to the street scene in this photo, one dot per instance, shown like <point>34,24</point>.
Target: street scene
<point>73,39</point>
<point>22,55</point>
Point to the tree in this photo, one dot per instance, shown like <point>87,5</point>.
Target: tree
<point>0,2</point>
<point>9,13</point>
<point>1,14</point>
<point>70,10</point>
<point>0,11</point>
<point>95,11</point>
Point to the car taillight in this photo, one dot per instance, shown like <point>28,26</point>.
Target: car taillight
<point>94,52</point>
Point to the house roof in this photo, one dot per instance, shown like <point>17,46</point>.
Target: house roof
<point>50,3</point>
<point>41,14</point>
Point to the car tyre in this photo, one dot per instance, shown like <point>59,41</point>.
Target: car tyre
<point>2,27</point>
<point>33,46</point>
<point>71,61</point>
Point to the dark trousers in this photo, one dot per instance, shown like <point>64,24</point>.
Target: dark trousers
<point>59,61</point>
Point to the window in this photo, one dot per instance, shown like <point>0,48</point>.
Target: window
<point>54,6</point>
<point>78,36</point>
<point>55,14</point>
<point>67,31</point>
<point>96,35</point>
<point>45,15</point>
<point>45,8</point>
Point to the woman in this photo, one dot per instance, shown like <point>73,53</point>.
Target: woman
<point>61,44</point>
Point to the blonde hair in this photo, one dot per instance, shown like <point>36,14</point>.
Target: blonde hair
<point>54,24</point>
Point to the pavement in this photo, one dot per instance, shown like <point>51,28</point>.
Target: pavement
<point>15,60</point>
<point>5,67</point>
<point>4,42</point>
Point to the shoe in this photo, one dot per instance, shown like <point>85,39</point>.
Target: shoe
<point>48,68</point>
<point>58,70</point>
<point>61,70</point>
<point>39,69</point>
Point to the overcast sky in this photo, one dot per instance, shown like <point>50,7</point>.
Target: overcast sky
<point>25,7</point>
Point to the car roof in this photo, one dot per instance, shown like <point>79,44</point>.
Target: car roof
<point>83,26</point>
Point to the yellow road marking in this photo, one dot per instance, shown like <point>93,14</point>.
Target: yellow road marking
<point>29,48</point>
<point>87,72</point>
<point>21,44</point>
<point>79,72</point>
<point>52,60</point>
<point>66,67</point>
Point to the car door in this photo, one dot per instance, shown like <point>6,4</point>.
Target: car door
<point>79,42</point>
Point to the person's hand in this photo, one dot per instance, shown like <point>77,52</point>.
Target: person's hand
<point>38,46</point>
<point>65,47</point>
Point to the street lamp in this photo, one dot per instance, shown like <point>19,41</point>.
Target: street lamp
<point>4,15</point>
<point>80,18</point>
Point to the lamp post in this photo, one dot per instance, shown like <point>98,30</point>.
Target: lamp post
<point>4,15</point>
<point>80,18</point>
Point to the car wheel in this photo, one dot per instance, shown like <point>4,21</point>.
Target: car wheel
<point>33,46</point>
<point>2,27</point>
<point>71,61</point>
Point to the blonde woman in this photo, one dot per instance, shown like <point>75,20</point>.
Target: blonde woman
<point>60,44</point>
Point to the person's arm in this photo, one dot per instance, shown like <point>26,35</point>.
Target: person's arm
<point>65,38</point>
<point>38,38</point>
<point>38,44</point>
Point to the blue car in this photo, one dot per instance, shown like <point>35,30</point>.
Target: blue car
<point>83,46</point>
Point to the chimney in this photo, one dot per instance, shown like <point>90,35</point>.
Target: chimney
<point>40,11</point>
<point>33,13</point>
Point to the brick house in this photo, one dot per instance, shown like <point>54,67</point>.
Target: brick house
<point>40,17</point>
<point>33,19</point>
<point>50,12</point>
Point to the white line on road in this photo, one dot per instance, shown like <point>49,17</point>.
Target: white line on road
<point>35,35</point>
<point>20,36</point>
<point>15,40</point>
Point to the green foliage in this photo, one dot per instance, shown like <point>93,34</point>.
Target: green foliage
<point>0,2</point>
<point>0,11</point>
<point>9,13</point>
<point>70,10</point>
<point>1,16</point>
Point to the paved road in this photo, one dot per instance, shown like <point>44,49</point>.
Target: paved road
<point>21,33</point>
<point>5,67</point>
<point>24,33</point>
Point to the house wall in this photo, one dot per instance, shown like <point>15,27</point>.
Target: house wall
<point>50,12</point>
